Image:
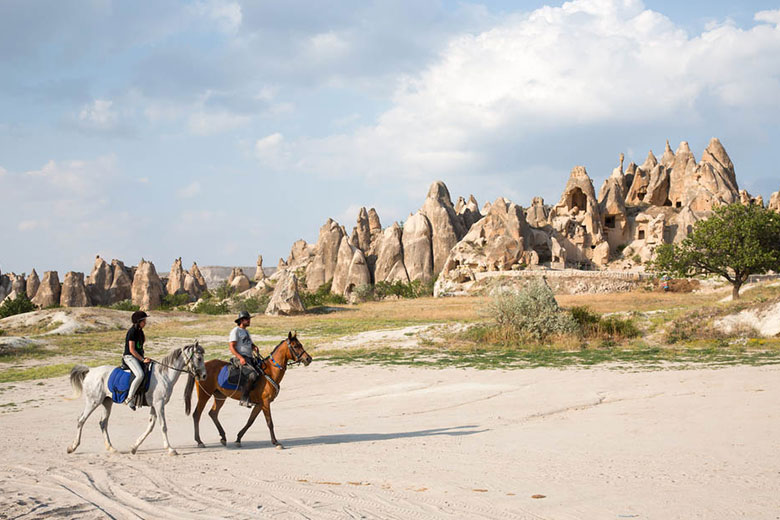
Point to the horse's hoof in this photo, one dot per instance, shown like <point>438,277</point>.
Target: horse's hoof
<point>111,449</point>
<point>201,445</point>
<point>71,449</point>
<point>279,447</point>
<point>133,450</point>
<point>172,452</point>
<point>223,442</point>
<point>238,444</point>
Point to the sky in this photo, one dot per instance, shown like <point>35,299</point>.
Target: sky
<point>217,130</point>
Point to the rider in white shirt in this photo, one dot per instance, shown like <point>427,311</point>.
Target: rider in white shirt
<point>242,348</point>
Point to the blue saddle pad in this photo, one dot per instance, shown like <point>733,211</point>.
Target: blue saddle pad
<point>222,379</point>
<point>119,384</point>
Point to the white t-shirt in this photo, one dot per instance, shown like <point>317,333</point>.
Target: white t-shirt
<point>243,341</point>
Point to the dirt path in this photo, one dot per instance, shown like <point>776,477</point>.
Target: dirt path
<point>373,442</point>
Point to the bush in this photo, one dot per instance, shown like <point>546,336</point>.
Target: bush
<point>364,293</point>
<point>125,305</point>
<point>414,289</point>
<point>531,313</point>
<point>171,301</point>
<point>210,307</point>
<point>594,325</point>
<point>18,305</point>
<point>322,296</point>
<point>223,291</point>
<point>254,304</point>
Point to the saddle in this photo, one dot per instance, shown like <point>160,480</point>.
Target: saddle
<point>231,378</point>
<point>121,378</point>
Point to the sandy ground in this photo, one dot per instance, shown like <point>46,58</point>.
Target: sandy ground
<point>374,442</point>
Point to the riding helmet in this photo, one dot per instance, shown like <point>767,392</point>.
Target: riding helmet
<point>138,316</point>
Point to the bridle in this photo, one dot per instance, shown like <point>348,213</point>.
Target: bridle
<point>297,358</point>
<point>189,369</point>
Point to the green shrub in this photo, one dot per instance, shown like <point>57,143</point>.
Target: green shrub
<point>18,305</point>
<point>595,325</point>
<point>414,289</point>
<point>171,301</point>
<point>224,291</point>
<point>322,296</point>
<point>125,305</point>
<point>2,332</point>
<point>530,313</point>
<point>211,307</point>
<point>254,304</point>
<point>364,293</point>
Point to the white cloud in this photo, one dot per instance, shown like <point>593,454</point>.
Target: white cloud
<point>772,17</point>
<point>3,171</point>
<point>587,62</point>
<point>328,45</point>
<point>214,122</point>
<point>189,191</point>
<point>28,225</point>
<point>227,15</point>
<point>80,178</point>
<point>98,115</point>
<point>268,146</point>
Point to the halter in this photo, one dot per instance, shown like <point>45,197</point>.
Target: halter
<point>296,358</point>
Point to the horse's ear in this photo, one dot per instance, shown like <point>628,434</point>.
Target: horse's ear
<point>295,334</point>
<point>289,335</point>
<point>196,344</point>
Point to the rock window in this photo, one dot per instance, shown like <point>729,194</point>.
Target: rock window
<point>641,234</point>
<point>678,204</point>
<point>609,221</point>
<point>577,198</point>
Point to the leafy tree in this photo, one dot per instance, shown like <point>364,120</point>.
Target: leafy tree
<point>734,243</point>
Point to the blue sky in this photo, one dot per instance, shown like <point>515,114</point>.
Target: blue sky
<point>216,130</point>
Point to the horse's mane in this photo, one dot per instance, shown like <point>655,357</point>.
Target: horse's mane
<point>170,359</point>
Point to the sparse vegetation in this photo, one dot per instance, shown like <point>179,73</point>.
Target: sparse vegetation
<point>125,305</point>
<point>172,301</point>
<point>529,314</point>
<point>18,305</point>
<point>253,304</point>
<point>322,296</point>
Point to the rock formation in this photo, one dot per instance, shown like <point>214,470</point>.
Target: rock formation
<point>259,273</point>
<point>358,273</point>
<point>374,225</point>
<point>285,300</point>
<point>122,284</point>
<point>774,201</point>
<point>74,291</point>
<point>362,231</point>
<point>496,243</point>
<point>468,211</point>
<point>99,282</point>
<point>323,265</point>
<point>198,276</point>
<point>390,257</point>
<point>48,294</point>
<point>537,213</point>
<point>33,282</point>
<point>344,260</point>
<point>417,248</point>
<point>147,288</point>
<point>447,228</point>
<point>238,280</point>
<point>18,283</point>
<point>176,278</point>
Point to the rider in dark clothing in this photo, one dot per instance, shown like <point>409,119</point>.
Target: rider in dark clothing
<point>134,354</point>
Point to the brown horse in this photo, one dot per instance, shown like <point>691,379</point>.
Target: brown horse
<point>265,391</point>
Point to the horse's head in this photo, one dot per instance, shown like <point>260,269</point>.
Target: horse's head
<point>297,352</point>
<point>194,360</point>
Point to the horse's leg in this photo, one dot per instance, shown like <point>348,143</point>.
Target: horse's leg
<point>164,427</point>
<point>144,435</point>
<point>89,407</point>
<point>270,422</point>
<point>107,403</point>
<point>252,416</point>
<point>203,400</point>
<point>219,402</point>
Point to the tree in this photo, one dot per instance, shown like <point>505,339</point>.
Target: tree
<point>737,241</point>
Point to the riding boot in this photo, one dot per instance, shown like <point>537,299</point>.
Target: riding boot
<point>245,399</point>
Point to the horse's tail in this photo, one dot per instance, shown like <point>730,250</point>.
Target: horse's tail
<point>77,375</point>
<point>188,393</point>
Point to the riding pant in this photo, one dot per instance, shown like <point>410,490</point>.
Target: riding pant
<point>249,372</point>
<point>138,371</point>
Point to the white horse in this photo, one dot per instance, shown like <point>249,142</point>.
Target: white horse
<point>94,383</point>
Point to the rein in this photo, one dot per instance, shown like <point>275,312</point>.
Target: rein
<point>186,364</point>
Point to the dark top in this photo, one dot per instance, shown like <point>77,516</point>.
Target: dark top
<point>135,334</point>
